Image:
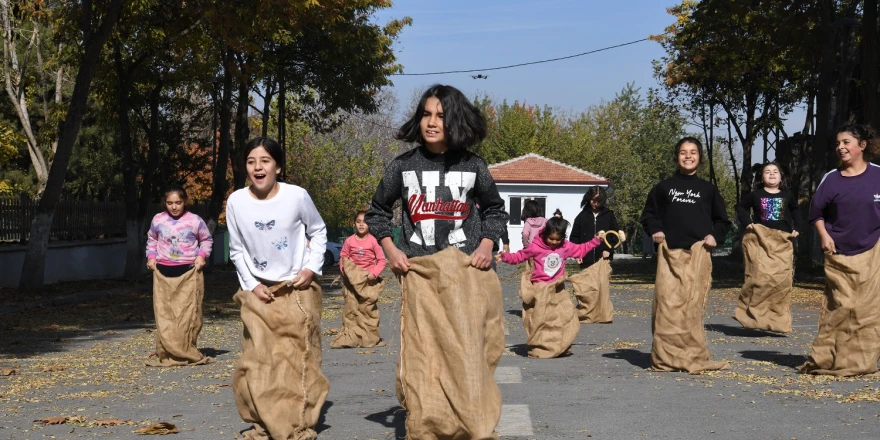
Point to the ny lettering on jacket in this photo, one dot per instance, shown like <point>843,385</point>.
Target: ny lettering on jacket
<point>425,208</point>
<point>686,196</point>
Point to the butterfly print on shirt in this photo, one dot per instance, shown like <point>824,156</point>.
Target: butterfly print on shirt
<point>265,226</point>
<point>261,266</point>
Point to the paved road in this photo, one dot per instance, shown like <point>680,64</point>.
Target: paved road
<point>84,361</point>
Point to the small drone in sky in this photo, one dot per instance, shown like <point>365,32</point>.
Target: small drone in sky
<point>480,76</point>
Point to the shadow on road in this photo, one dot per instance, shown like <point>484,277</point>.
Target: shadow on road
<point>634,357</point>
<point>515,312</point>
<point>394,417</point>
<point>322,419</point>
<point>730,330</point>
<point>775,357</point>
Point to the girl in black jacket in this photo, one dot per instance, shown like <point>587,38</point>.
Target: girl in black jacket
<point>594,217</point>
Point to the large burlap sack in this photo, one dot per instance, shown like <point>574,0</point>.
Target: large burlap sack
<point>451,339</point>
<point>360,314</point>
<point>177,304</point>
<point>848,342</point>
<point>548,318</point>
<point>765,299</point>
<point>681,292</point>
<point>278,383</point>
<point>592,288</point>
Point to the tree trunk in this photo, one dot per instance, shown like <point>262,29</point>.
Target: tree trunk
<point>824,117</point>
<point>267,106</point>
<point>152,163</point>
<point>242,131</point>
<point>221,184</point>
<point>34,268</point>
<point>282,121</point>
<point>870,64</point>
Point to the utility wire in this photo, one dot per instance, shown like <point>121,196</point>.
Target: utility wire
<point>525,64</point>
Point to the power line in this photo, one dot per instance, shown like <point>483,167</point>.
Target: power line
<point>525,64</point>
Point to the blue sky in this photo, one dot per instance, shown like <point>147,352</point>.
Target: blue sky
<point>460,34</point>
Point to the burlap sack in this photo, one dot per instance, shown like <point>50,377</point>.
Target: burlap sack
<point>548,318</point>
<point>848,342</point>
<point>681,292</point>
<point>360,314</point>
<point>592,288</point>
<point>177,304</point>
<point>451,339</point>
<point>765,298</point>
<point>278,383</point>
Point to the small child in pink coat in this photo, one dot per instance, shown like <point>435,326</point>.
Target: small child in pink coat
<point>362,249</point>
<point>550,252</point>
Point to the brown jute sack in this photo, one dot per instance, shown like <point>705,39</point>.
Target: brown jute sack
<point>681,292</point>
<point>592,288</point>
<point>177,304</point>
<point>549,318</point>
<point>278,383</point>
<point>360,314</point>
<point>451,339</point>
<point>848,342</point>
<point>765,298</point>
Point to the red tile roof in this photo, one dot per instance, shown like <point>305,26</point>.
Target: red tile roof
<point>534,168</point>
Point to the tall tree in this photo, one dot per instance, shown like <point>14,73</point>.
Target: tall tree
<point>95,22</point>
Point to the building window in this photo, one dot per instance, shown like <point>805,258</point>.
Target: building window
<point>516,204</point>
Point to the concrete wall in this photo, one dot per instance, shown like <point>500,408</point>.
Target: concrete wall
<point>565,197</point>
<point>87,260</point>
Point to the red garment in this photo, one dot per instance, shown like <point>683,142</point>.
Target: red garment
<point>364,253</point>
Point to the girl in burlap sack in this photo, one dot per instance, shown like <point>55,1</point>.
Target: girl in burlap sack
<point>278,382</point>
<point>846,213</point>
<point>361,260</point>
<point>178,242</point>
<point>451,324</point>
<point>548,314</point>
<point>592,285</point>
<point>771,218</point>
<point>686,218</point>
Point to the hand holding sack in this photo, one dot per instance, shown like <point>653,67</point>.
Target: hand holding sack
<point>177,305</point>
<point>848,342</point>
<point>451,339</point>
<point>360,316</point>
<point>680,296</point>
<point>765,299</point>
<point>278,382</point>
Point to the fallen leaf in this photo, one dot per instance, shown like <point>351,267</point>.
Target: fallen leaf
<point>51,327</point>
<point>365,352</point>
<point>331,331</point>
<point>158,429</point>
<point>56,420</point>
<point>224,384</point>
<point>54,368</point>
<point>111,422</point>
<point>380,391</point>
<point>8,372</point>
<point>110,332</point>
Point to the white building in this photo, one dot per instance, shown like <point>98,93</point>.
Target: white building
<point>553,184</point>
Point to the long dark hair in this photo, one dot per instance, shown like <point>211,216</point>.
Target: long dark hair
<point>783,175</point>
<point>593,191</point>
<point>689,140</point>
<point>864,133</point>
<point>272,147</point>
<point>463,124</point>
<point>531,209</point>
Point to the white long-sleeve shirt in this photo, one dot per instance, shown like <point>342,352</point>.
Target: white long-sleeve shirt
<point>267,238</point>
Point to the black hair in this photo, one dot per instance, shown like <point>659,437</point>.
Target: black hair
<point>594,191</point>
<point>463,124</point>
<point>862,133</point>
<point>783,176</point>
<point>557,212</point>
<point>555,225</point>
<point>272,147</point>
<point>531,209</point>
<point>689,140</point>
<point>359,213</point>
<point>175,188</point>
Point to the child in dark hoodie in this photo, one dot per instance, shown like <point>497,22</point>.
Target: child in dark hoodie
<point>533,220</point>
<point>550,252</point>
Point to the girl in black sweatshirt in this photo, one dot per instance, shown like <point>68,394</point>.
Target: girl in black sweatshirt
<point>681,212</point>
<point>594,217</point>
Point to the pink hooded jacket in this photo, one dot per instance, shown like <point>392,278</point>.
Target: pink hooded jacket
<point>550,263</point>
<point>531,229</point>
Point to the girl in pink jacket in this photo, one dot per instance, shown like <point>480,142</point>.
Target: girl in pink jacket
<point>533,220</point>
<point>550,251</point>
